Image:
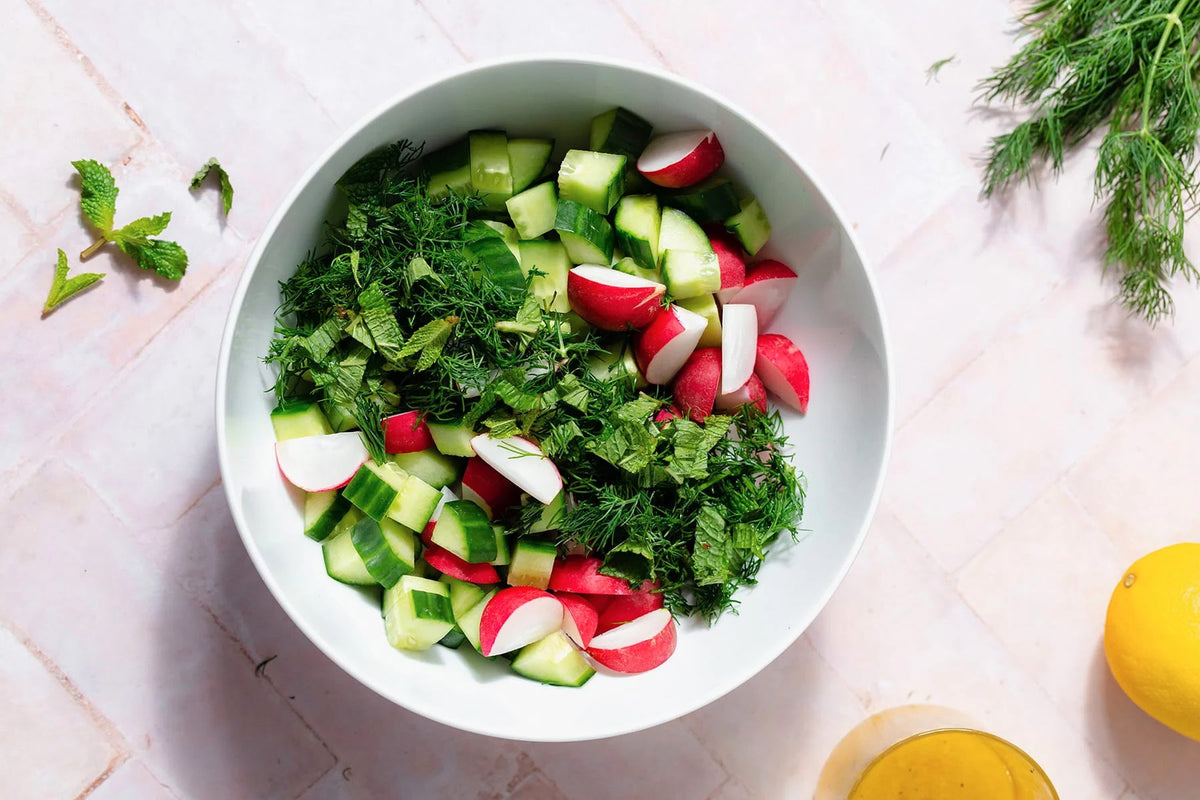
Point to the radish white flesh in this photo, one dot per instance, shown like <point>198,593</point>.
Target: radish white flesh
<point>612,300</point>
<point>752,393</point>
<point>447,497</point>
<point>667,342</point>
<point>637,646</point>
<point>516,617</point>
<point>675,160</point>
<point>522,462</point>
<point>739,338</point>
<point>323,462</point>
<point>784,370</point>
<point>767,286</point>
<point>633,632</point>
<point>580,618</point>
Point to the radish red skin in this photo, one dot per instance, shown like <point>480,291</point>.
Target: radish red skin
<point>627,608</point>
<point>640,657</point>
<point>613,308</point>
<point>447,563</point>
<point>581,575</point>
<point>698,383</point>
<point>582,614</point>
<point>498,610</point>
<point>496,492</point>
<point>731,258</point>
<point>668,332</point>
<point>767,286</point>
<point>753,393</point>
<point>406,433</point>
<point>783,369</point>
<point>686,168</point>
<point>665,415</point>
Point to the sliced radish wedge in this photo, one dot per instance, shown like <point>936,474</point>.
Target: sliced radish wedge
<point>518,616</point>
<point>323,462</point>
<point>637,646</point>
<point>675,160</point>
<point>739,337</point>
<point>628,608</point>
<point>731,259</point>
<point>783,370</point>
<point>580,619</point>
<point>665,415</point>
<point>612,300</point>
<point>662,348</point>
<point>522,462</point>
<point>406,433</point>
<point>487,488</point>
<point>447,563</point>
<point>751,393</point>
<point>698,383</point>
<point>581,575</point>
<point>448,496</point>
<point>768,284</point>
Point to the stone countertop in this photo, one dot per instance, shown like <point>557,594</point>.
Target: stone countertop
<point>1043,441</point>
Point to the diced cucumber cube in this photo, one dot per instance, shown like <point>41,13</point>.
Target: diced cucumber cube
<point>415,503</point>
<point>340,418</point>
<point>618,363</point>
<point>342,561</point>
<point>551,514</point>
<point>453,639</point>
<point>469,621</point>
<point>434,468</point>
<point>507,234</point>
<point>750,225</point>
<point>503,555</point>
<point>553,660</point>
<point>706,306</point>
<point>550,258</point>
<point>620,131</point>
<point>449,170</point>
<point>678,231</point>
<point>533,210</point>
<point>689,274</point>
<point>387,548</point>
<point>595,180</point>
<point>586,233</point>
<point>323,511</point>
<point>710,201</point>
<point>495,258</point>
<point>637,223</point>
<point>452,438</point>
<point>375,487</point>
<point>527,158</point>
<point>297,419</point>
<point>491,173</point>
<point>416,613</point>
<point>631,267</point>
<point>464,529</point>
<point>531,564</point>
<point>463,595</point>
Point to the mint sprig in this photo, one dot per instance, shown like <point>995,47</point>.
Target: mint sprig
<point>64,288</point>
<point>213,167</point>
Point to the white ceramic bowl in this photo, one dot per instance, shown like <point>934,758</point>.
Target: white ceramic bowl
<point>841,445</point>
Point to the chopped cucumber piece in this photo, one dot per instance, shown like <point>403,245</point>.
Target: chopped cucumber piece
<point>678,231</point>
<point>464,529</point>
<point>712,200</point>
<point>527,158</point>
<point>463,595</point>
<point>617,364</point>
<point>750,225</point>
<point>469,621</point>
<point>586,233</point>
<point>631,267</point>
<point>322,512</point>
<point>449,170</point>
<point>342,561</point>
<point>491,174</point>
<point>531,563</point>
<point>619,131</point>
<point>506,233</point>
<point>386,490</point>
<point>550,258</point>
<point>553,660</point>
<point>388,549</point>
<point>340,417</point>
<point>637,225</point>
<point>503,556</point>
<point>452,438</point>
<point>434,468</point>
<point>417,613</point>
<point>495,258</point>
<point>595,180</point>
<point>533,210</point>
<point>690,274</point>
<point>453,639</point>
<point>415,503</point>
<point>551,512</point>
<point>706,306</point>
<point>298,419</point>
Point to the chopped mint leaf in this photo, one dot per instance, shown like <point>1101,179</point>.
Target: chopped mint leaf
<point>428,340</point>
<point>380,320</point>
<point>97,193</point>
<point>713,550</point>
<point>212,166</point>
<point>64,288</point>
<point>631,560</point>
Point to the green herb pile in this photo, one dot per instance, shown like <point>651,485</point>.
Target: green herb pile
<point>399,308</point>
<point>1129,66</point>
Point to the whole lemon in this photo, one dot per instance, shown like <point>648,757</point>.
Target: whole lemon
<point>1152,636</point>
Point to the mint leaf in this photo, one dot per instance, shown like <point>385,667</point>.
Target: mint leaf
<point>631,560</point>
<point>713,551</point>
<point>97,194</point>
<point>380,321</point>
<point>167,259</point>
<point>212,166</point>
<point>428,340</point>
<point>572,392</point>
<point>142,228</point>
<point>63,288</point>
<point>692,443</point>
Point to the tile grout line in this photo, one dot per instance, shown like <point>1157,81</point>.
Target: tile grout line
<point>654,49</point>
<point>112,767</point>
<point>442,30</point>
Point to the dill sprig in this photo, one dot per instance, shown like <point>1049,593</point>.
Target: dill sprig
<point>1129,65</point>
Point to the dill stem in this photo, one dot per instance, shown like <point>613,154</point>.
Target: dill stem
<point>1173,21</point>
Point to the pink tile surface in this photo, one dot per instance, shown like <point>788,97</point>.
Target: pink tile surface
<point>1045,441</point>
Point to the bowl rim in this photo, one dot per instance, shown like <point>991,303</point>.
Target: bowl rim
<point>430,710</point>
